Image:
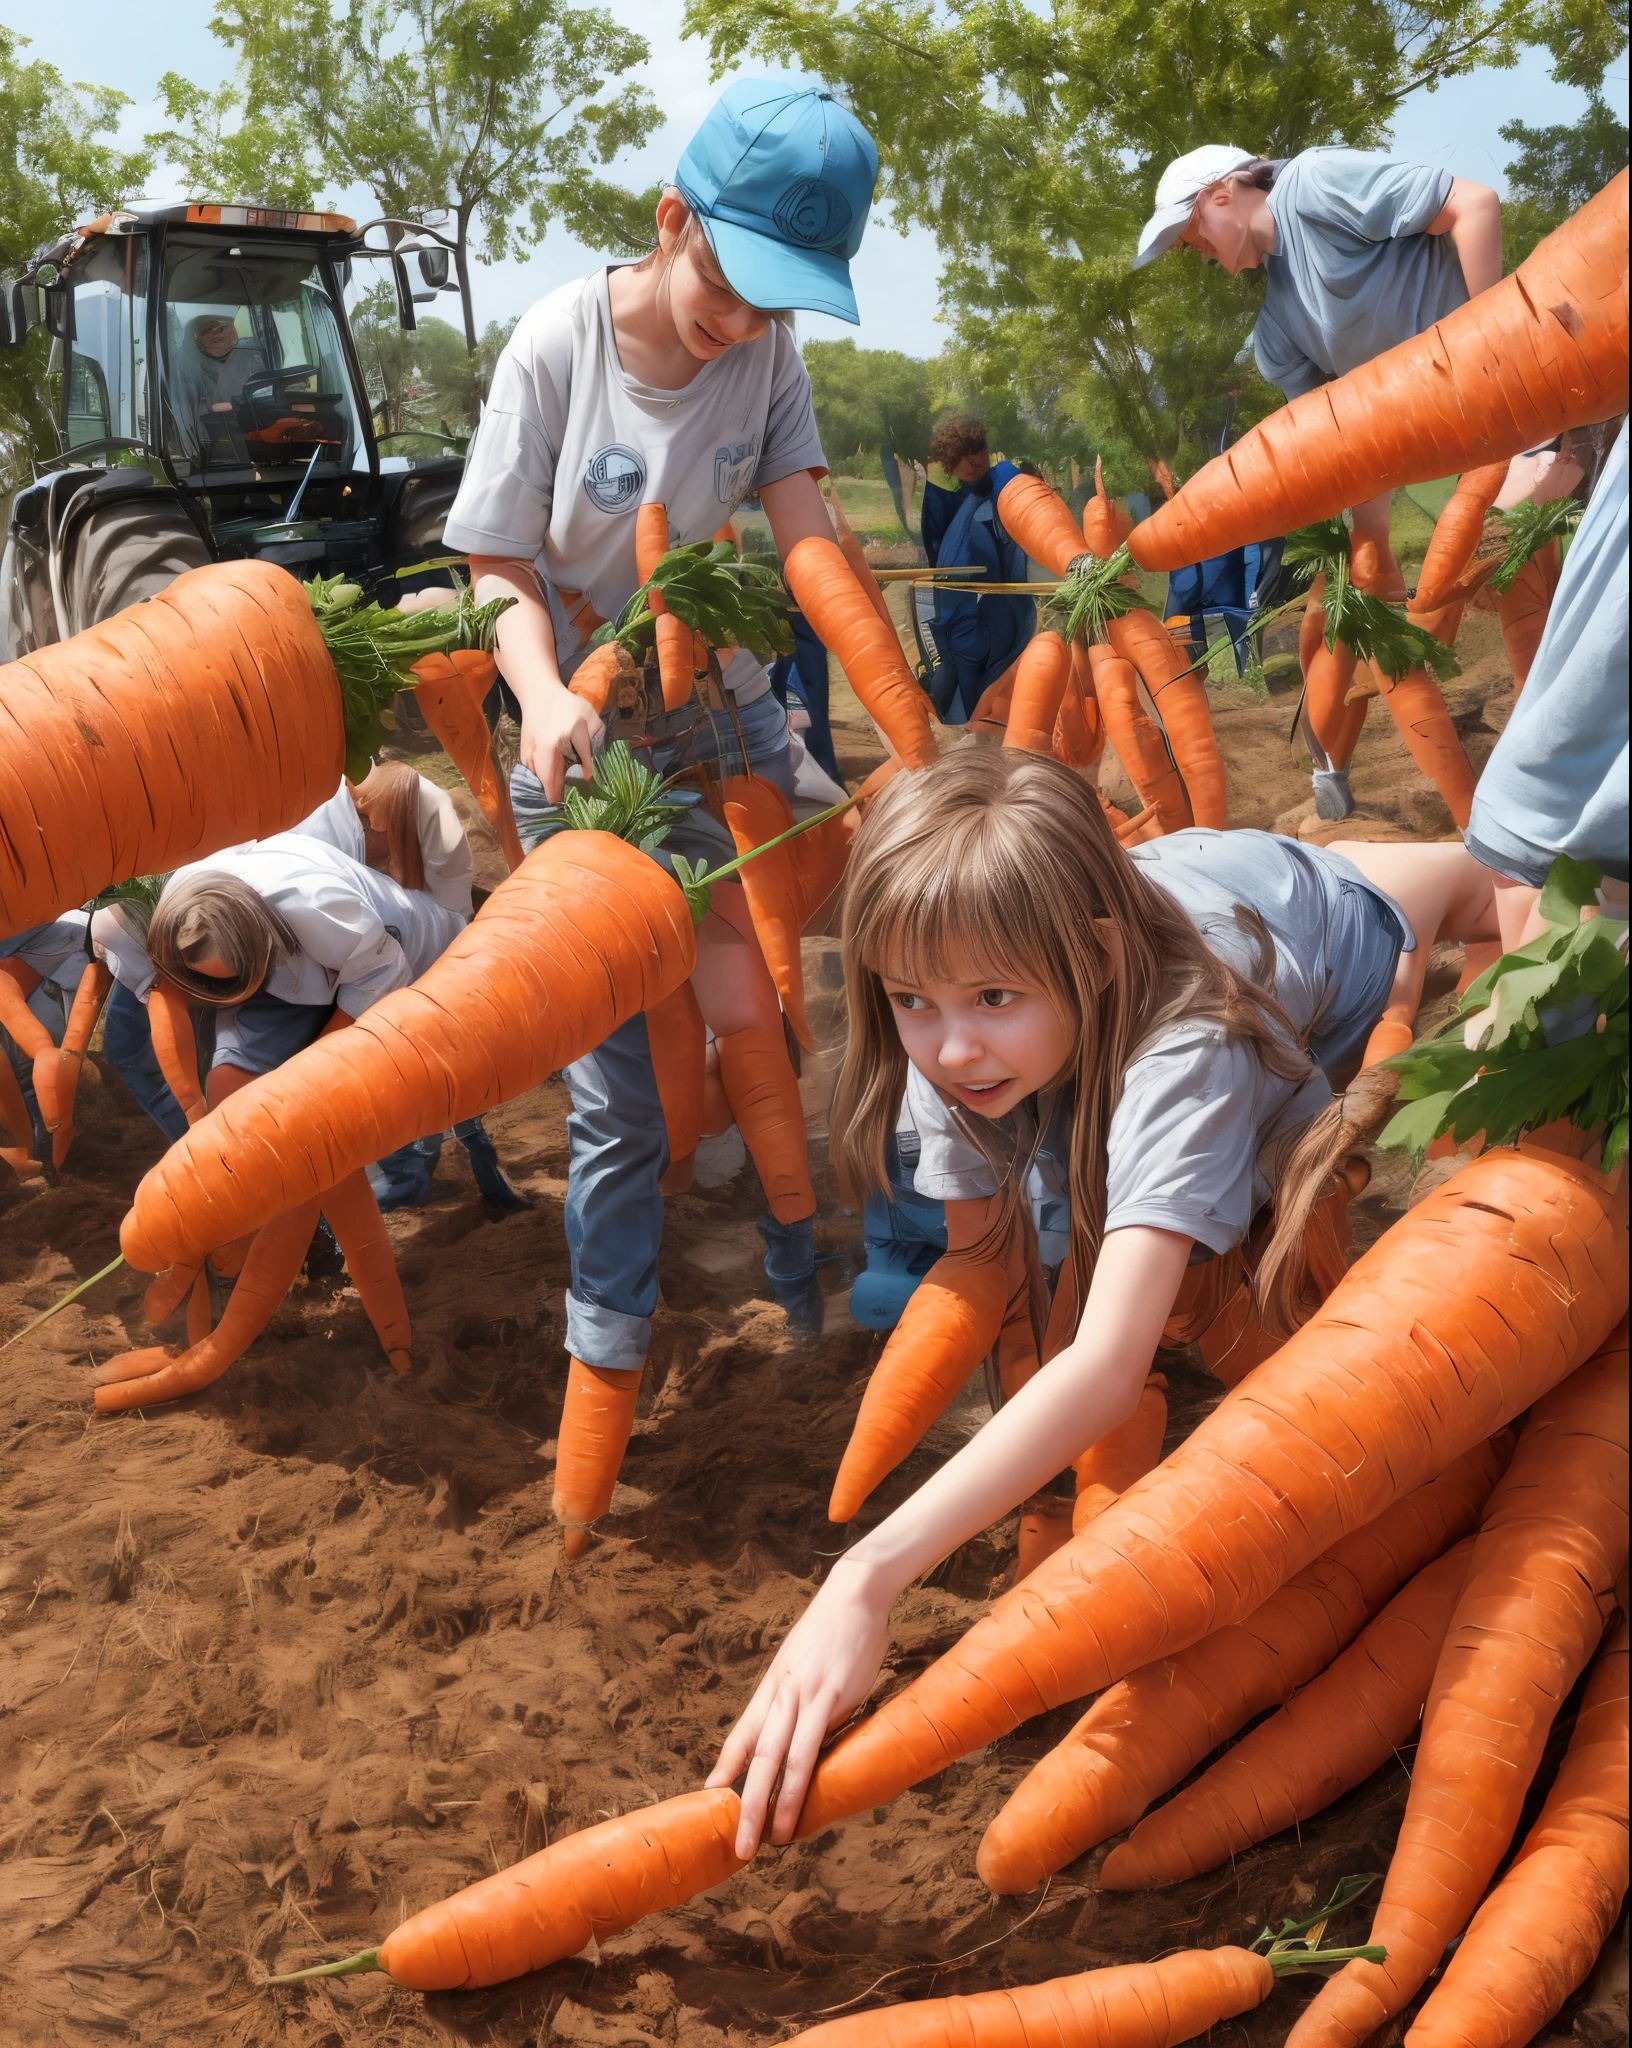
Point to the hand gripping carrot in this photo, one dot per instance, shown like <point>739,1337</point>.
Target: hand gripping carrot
<point>1139,742</point>
<point>950,1322</point>
<point>451,691</point>
<point>1179,693</point>
<point>763,1091</point>
<point>676,648</point>
<point>1131,2005</point>
<point>1540,1932</point>
<point>158,1373</point>
<point>1148,1732</point>
<point>757,812</point>
<point>204,717</point>
<point>1347,1722</point>
<point>1042,677</point>
<point>588,1886</point>
<point>824,587</point>
<point>1473,1305</point>
<point>597,1419</point>
<point>1538,1593</point>
<point>1104,525</point>
<point>1544,350</point>
<point>586,932</point>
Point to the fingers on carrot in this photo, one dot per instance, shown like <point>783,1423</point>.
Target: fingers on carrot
<point>359,1229</point>
<point>1395,1375</point>
<point>757,812</point>
<point>950,1322</point>
<point>1042,677</point>
<point>597,1418</point>
<point>1544,350</point>
<point>763,1092</point>
<point>1539,1589</point>
<point>825,588</point>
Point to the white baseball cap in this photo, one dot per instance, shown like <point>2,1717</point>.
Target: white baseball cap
<point>1182,184</point>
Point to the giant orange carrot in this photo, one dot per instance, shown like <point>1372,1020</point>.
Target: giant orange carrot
<point>170,1026</point>
<point>600,671</point>
<point>1133,1448</point>
<point>949,1324</point>
<point>1444,585</point>
<point>359,1229</point>
<point>204,717</point>
<point>860,567</point>
<point>763,1091</point>
<point>1539,1933</point>
<point>1327,674</point>
<point>451,691</point>
<point>587,931</point>
<point>1544,350</point>
<point>1040,682</point>
<point>1079,732</point>
<point>90,996</point>
<point>676,653</point>
<point>1138,741</point>
<point>678,1040</point>
<point>596,1420</point>
<point>1417,704</point>
<point>18,981</point>
<point>1130,2005</point>
<point>991,712</point>
<point>757,812</point>
<point>585,1887</point>
<point>1523,610</point>
<point>1356,1715</point>
<point>1105,526</point>
<point>1476,1302</point>
<point>14,1117</point>
<point>1538,1592</point>
<point>162,1373</point>
<point>1179,692</point>
<point>825,589</point>
<point>1145,1734</point>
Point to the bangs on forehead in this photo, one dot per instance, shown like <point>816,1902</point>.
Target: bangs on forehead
<point>969,916</point>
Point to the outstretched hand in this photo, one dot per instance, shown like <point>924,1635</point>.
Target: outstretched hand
<point>821,1674</point>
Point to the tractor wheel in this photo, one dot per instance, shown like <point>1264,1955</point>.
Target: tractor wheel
<point>120,553</point>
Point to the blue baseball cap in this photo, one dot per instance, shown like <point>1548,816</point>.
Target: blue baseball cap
<point>782,180</point>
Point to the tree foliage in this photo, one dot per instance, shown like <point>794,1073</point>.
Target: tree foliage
<point>502,113</point>
<point>1029,138</point>
<point>61,167</point>
<point>869,398</point>
<point>1556,170</point>
<point>426,382</point>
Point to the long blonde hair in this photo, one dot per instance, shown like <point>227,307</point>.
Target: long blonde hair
<point>387,801</point>
<point>209,912</point>
<point>1001,863</point>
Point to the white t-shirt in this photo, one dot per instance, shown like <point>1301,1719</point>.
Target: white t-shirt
<point>55,951</point>
<point>570,447</point>
<point>360,934</point>
<point>444,851</point>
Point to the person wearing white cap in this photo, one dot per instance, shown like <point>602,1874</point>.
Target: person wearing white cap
<point>1360,251</point>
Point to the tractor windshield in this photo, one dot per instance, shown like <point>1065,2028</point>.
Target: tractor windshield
<point>255,374</point>
<point>104,360</point>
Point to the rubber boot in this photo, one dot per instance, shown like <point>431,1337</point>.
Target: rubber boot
<point>1333,797</point>
<point>790,1266</point>
<point>491,1184</point>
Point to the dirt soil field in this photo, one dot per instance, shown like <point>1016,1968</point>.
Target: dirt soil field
<point>287,1660</point>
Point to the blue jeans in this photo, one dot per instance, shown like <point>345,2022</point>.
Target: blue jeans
<point>904,1233</point>
<point>128,1043</point>
<point>617,1145</point>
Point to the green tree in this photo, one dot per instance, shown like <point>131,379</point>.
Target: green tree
<point>427,381</point>
<point>60,167</point>
<point>1029,138</point>
<point>1556,170</point>
<point>499,112</point>
<point>869,399</point>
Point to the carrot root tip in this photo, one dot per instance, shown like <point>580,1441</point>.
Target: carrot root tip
<point>575,1540</point>
<point>350,1966</point>
<point>401,1361</point>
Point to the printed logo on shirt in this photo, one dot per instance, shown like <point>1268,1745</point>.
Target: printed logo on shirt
<point>615,478</point>
<point>734,466</point>
<point>813,212</point>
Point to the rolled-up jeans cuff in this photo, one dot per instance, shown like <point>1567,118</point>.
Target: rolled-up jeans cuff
<point>607,1336</point>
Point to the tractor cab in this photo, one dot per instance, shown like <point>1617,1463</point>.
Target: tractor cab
<point>210,405</point>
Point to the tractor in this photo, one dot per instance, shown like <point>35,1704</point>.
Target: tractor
<point>211,407</point>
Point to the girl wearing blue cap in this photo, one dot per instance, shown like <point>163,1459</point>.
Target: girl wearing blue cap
<point>674,380</point>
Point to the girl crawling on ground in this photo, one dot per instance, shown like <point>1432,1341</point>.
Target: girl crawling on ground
<point>1145,1045</point>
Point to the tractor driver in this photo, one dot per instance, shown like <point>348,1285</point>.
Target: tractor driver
<point>216,364</point>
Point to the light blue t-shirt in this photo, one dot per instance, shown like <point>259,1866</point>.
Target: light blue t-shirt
<point>1200,1112</point>
<point>1354,270</point>
<point>1556,779</point>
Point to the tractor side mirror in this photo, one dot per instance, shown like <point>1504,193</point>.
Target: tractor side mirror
<point>406,316</point>
<point>434,268</point>
<point>59,310</point>
<point>26,312</point>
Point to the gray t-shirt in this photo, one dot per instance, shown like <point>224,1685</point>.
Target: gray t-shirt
<point>1354,270</point>
<point>1556,779</point>
<point>1199,1109</point>
<point>570,447</point>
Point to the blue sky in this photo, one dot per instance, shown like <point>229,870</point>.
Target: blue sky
<point>112,42</point>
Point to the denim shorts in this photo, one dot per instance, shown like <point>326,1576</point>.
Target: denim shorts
<point>1369,941</point>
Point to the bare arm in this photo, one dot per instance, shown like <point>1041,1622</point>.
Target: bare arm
<point>796,510</point>
<point>828,1663</point>
<point>1472,217</point>
<point>556,726</point>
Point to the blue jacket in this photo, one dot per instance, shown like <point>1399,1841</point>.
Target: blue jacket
<point>976,637</point>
